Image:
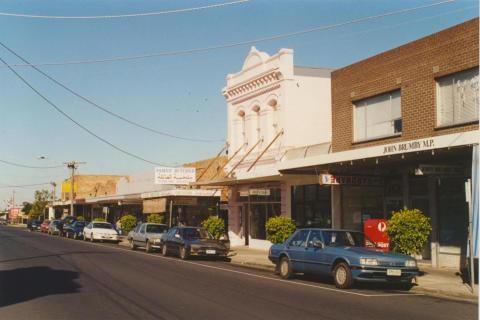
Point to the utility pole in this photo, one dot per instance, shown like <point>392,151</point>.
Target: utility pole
<point>13,203</point>
<point>72,165</point>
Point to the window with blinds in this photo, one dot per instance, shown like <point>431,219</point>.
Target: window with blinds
<point>457,98</point>
<point>377,117</point>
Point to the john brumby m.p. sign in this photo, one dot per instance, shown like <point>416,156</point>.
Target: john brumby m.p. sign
<point>409,146</point>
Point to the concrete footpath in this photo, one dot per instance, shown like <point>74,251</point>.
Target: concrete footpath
<point>439,282</point>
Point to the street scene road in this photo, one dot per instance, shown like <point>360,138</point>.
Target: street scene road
<point>45,277</point>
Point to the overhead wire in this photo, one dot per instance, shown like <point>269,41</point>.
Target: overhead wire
<point>59,110</point>
<point>129,15</point>
<point>236,44</point>
<point>26,185</point>
<point>30,167</point>
<point>96,105</point>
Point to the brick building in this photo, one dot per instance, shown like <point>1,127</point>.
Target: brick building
<point>404,126</point>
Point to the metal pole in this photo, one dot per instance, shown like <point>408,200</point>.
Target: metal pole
<point>72,185</point>
<point>468,194</point>
<point>171,209</point>
<point>13,202</point>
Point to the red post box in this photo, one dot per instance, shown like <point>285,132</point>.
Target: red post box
<point>375,230</point>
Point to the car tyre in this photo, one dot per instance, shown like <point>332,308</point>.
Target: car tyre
<point>184,253</point>
<point>285,269</point>
<point>164,250</point>
<point>132,245</point>
<point>342,276</point>
<point>148,247</point>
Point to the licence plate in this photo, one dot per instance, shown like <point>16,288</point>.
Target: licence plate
<point>394,272</point>
<point>210,251</point>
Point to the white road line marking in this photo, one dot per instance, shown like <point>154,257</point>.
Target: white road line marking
<point>246,273</point>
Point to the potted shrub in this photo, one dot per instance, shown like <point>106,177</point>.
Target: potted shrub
<point>155,218</point>
<point>215,226</point>
<point>279,229</point>
<point>408,230</point>
<point>128,222</point>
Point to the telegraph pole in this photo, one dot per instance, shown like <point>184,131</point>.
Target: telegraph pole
<point>72,165</point>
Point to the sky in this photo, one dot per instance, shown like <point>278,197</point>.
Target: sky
<point>181,94</point>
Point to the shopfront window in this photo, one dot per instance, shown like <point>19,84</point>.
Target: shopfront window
<point>311,206</point>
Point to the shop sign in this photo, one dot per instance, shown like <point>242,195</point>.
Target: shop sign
<point>155,205</point>
<point>425,169</point>
<point>330,179</point>
<point>180,175</point>
<point>185,201</point>
<point>416,145</point>
<point>259,192</point>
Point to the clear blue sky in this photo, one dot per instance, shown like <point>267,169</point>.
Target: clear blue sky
<point>181,94</point>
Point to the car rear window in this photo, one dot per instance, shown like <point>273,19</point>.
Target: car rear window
<point>103,225</point>
<point>155,228</point>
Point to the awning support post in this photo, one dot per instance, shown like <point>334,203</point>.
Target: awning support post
<point>265,150</point>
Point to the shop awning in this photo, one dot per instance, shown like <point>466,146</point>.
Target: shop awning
<point>124,198</point>
<point>381,151</point>
<point>181,193</point>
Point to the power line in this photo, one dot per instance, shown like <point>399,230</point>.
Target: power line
<point>77,123</point>
<point>26,185</point>
<point>28,166</point>
<point>129,15</point>
<point>96,105</point>
<point>236,44</point>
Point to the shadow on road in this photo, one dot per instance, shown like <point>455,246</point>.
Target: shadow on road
<point>58,255</point>
<point>23,284</point>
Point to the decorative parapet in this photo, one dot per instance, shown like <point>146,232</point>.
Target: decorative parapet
<point>261,82</point>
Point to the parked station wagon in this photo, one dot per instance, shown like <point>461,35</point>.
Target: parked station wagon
<point>147,235</point>
<point>347,255</point>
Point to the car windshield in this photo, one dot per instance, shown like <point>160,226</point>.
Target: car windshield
<point>155,228</point>
<point>347,239</point>
<point>196,233</point>
<point>103,225</point>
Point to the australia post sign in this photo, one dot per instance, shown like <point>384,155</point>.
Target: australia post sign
<point>169,175</point>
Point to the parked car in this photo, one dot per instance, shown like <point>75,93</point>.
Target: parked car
<point>147,235</point>
<point>53,227</point>
<point>44,225</point>
<point>347,255</point>
<point>33,225</point>
<point>3,221</point>
<point>191,241</point>
<point>74,230</point>
<point>101,231</point>
<point>65,221</point>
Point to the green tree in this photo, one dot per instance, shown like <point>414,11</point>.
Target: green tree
<point>128,222</point>
<point>155,218</point>
<point>27,206</point>
<point>408,231</point>
<point>215,226</point>
<point>279,229</point>
<point>42,197</point>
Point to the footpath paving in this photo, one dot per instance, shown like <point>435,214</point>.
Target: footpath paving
<point>439,282</point>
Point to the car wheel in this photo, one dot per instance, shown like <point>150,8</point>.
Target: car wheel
<point>91,238</point>
<point>164,250</point>
<point>184,253</point>
<point>132,245</point>
<point>148,246</point>
<point>285,268</point>
<point>342,276</point>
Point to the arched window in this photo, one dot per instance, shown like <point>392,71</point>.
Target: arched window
<point>273,127</point>
<point>240,133</point>
<point>256,128</point>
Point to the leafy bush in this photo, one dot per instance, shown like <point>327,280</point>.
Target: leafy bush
<point>128,222</point>
<point>99,220</point>
<point>155,218</point>
<point>408,230</point>
<point>279,229</point>
<point>215,226</point>
<point>80,218</point>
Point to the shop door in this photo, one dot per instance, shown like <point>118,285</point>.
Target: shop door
<point>452,215</point>
<point>245,218</point>
<point>419,199</point>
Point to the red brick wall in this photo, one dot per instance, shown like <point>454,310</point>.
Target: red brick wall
<point>412,68</point>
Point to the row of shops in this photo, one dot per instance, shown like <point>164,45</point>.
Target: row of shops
<point>334,148</point>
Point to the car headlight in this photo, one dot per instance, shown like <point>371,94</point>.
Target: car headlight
<point>156,241</point>
<point>411,263</point>
<point>369,261</point>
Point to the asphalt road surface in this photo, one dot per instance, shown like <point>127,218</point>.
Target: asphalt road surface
<point>47,277</point>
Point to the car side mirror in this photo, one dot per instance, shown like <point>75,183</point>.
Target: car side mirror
<point>177,236</point>
<point>318,244</point>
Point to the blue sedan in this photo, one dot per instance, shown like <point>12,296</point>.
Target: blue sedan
<point>347,255</point>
